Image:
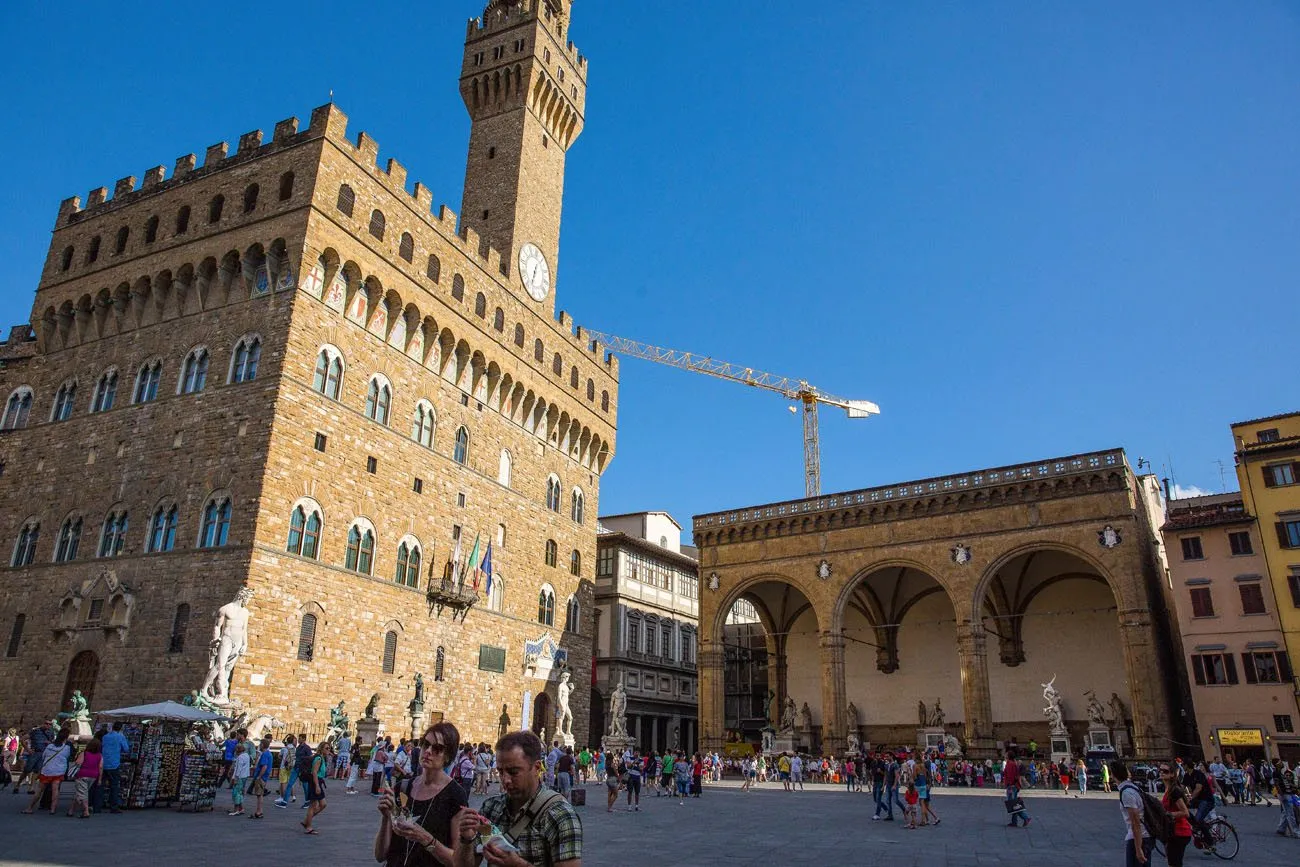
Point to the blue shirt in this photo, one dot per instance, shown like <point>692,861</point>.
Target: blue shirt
<point>229,747</point>
<point>112,747</point>
<point>263,771</point>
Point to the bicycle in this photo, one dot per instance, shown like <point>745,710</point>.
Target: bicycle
<point>1214,836</point>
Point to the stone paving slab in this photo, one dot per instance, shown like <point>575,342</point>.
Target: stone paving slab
<point>766,828</point>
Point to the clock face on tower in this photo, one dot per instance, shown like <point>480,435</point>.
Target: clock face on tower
<point>534,271</point>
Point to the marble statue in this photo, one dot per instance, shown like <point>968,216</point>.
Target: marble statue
<point>855,744</point>
<point>372,706</point>
<point>805,717</point>
<point>618,711</point>
<point>951,746</point>
<point>852,717</point>
<point>263,723</point>
<point>229,643</point>
<point>768,717</point>
<point>788,715</point>
<point>503,722</point>
<point>1096,713</point>
<point>922,715</point>
<point>1054,712</point>
<point>937,716</point>
<point>677,737</point>
<point>1117,712</point>
<point>562,692</point>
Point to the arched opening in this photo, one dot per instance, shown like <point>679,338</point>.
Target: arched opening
<point>1050,614</point>
<point>542,721</point>
<point>901,669</point>
<point>83,672</point>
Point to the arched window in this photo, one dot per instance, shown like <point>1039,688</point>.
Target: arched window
<point>151,230</point>
<point>480,305</point>
<point>461,452</point>
<point>347,199</point>
<point>105,392</point>
<point>390,651</point>
<point>69,540</point>
<point>307,638</point>
<point>214,208</point>
<point>113,537</point>
<point>572,623</point>
<point>25,548</point>
<point>63,399</point>
<point>328,379</point>
<point>250,198</point>
<point>539,351</point>
<point>183,220</point>
<point>575,562</point>
<point>553,493</point>
<point>497,593</point>
<point>162,530</point>
<point>243,366</point>
<point>194,374</point>
<point>519,336</point>
<point>379,398</point>
<point>408,564</point>
<point>180,624</point>
<point>123,235</point>
<point>434,268</point>
<point>424,425</point>
<point>557,364</point>
<point>440,664</point>
<point>458,288</point>
<point>552,552</point>
<point>92,253</point>
<point>499,320</point>
<point>361,549</point>
<point>67,259</point>
<point>546,606</point>
<point>501,535</point>
<point>215,529</point>
<point>578,506</point>
<point>286,186</point>
<point>406,248</point>
<point>16,635</point>
<point>573,377</point>
<point>147,380</point>
<point>591,390</point>
<point>377,223</point>
<point>604,401</point>
<point>18,409</point>
<point>504,468</point>
<point>304,531</point>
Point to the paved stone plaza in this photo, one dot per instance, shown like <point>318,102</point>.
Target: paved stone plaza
<point>823,825</point>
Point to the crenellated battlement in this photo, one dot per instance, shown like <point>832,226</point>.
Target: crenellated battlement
<point>506,14</point>
<point>216,158</point>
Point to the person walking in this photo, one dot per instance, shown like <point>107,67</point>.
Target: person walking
<point>1105,777</point>
<point>1176,805</point>
<point>300,773</point>
<point>564,768</point>
<point>1015,805</point>
<point>747,772</point>
<point>1137,841</point>
<point>261,782</point>
<point>1081,771</point>
<point>241,770</point>
<point>112,747</point>
<point>681,777</point>
<point>227,757</point>
<point>344,760</point>
<point>317,771</point>
<point>612,784</point>
<point>1285,780</point>
<point>51,770</point>
<point>37,740</point>
<point>88,774</point>
<point>424,839</point>
<point>354,769</point>
<point>633,782</point>
<point>287,764</point>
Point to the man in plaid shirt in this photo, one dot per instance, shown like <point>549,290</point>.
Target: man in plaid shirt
<point>536,821</point>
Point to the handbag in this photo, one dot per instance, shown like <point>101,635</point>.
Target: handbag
<point>1015,805</point>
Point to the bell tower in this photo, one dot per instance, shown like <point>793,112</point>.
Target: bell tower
<point>525,86</point>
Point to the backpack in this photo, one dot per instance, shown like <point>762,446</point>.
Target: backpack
<point>1156,819</point>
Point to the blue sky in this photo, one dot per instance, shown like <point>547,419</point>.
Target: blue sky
<point>1024,229</point>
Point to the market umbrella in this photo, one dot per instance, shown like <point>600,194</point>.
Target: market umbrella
<point>163,710</point>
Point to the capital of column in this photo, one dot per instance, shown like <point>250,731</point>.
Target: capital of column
<point>972,640</point>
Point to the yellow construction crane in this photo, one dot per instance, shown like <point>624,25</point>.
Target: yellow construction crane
<point>791,389</point>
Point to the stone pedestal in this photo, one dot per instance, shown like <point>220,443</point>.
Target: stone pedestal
<point>1061,751</point>
<point>368,730</point>
<point>784,742</point>
<point>930,738</point>
<point>617,744</point>
<point>79,729</point>
<point>768,744</point>
<point>567,739</point>
<point>1099,739</point>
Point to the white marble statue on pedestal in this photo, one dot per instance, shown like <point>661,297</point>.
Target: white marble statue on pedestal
<point>565,726</point>
<point>788,714</point>
<point>1054,712</point>
<point>618,711</point>
<point>229,643</point>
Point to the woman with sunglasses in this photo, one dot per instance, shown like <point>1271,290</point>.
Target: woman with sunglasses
<point>424,838</point>
<point>1175,802</point>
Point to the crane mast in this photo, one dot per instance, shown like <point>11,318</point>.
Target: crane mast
<point>808,396</point>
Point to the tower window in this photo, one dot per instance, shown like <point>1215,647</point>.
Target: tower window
<point>123,234</point>
<point>183,220</point>
<point>93,253</point>
<point>286,186</point>
<point>347,199</point>
<point>458,288</point>
<point>214,208</point>
<point>435,268</point>
<point>151,230</point>
<point>519,336</point>
<point>546,142</point>
<point>492,153</point>
<point>406,249</point>
<point>67,259</point>
<point>250,198</point>
<point>486,214</point>
<point>377,224</point>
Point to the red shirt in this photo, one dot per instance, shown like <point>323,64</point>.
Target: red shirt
<point>1011,775</point>
<point>1182,827</point>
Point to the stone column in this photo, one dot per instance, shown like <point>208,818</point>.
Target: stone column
<point>1148,697</point>
<point>711,693</point>
<point>976,700</point>
<point>833,702</point>
<point>777,670</point>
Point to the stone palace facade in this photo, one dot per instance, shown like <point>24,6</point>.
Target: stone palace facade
<point>283,371</point>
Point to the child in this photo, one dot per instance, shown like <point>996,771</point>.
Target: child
<point>911,798</point>
<point>923,795</point>
<point>239,774</point>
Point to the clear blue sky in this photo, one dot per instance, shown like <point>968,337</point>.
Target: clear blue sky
<point>1024,229</point>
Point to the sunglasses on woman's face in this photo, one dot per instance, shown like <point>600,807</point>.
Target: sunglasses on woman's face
<point>435,748</point>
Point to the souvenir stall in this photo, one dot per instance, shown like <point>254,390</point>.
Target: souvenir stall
<point>164,765</point>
